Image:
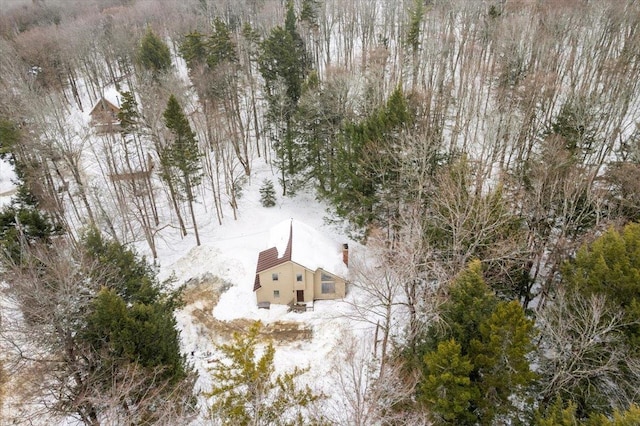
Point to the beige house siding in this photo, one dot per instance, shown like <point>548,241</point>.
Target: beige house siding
<point>339,283</point>
<point>287,285</point>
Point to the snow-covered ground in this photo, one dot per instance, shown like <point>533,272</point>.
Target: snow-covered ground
<point>7,185</point>
<point>230,252</point>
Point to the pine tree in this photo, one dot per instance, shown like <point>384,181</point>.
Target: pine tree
<point>500,356</point>
<point>611,266</point>
<point>267,194</point>
<point>193,49</point>
<point>558,415</point>
<point>101,334</point>
<point>246,390</point>
<point>182,154</point>
<point>367,169</point>
<point>284,65</point>
<point>446,387</point>
<point>153,54</point>
<point>470,304</point>
<point>22,222</point>
<point>309,13</point>
<point>128,115</point>
<point>494,338</point>
<point>220,48</point>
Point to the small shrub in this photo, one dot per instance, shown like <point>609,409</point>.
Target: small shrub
<point>267,194</point>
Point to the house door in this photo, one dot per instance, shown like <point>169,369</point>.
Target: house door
<point>299,296</point>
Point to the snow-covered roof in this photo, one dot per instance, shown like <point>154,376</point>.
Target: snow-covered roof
<point>292,240</point>
<point>112,95</point>
<point>110,100</point>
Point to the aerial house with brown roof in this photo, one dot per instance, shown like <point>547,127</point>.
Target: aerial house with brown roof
<point>301,265</point>
<point>104,116</point>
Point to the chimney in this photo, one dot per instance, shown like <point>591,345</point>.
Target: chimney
<point>345,253</point>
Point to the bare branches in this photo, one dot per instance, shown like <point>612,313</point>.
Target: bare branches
<point>366,394</point>
<point>582,348</point>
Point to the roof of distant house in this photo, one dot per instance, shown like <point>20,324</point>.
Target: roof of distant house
<point>102,105</point>
<point>292,240</point>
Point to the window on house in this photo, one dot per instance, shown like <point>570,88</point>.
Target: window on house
<point>328,287</point>
<point>328,284</point>
<point>299,278</point>
<point>276,294</point>
<point>274,277</point>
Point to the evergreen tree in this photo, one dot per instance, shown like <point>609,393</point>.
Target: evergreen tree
<point>220,48</point>
<point>246,390</point>
<point>182,154</point>
<point>470,304</point>
<point>101,333</point>
<point>143,333</point>
<point>367,163</point>
<point>446,387</point>
<point>128,115</point>
<point>558,415</point>
<point>309,13</point>
<point>9,139</point>
<point>21,221</point>
<point>284,65</point>
<point>130,323</point>
<point>630,417</point>
<point>153,54</point>
<point>131,277</point>
<point>574,128</point>
<point>500,356</point>
<point>611,266</point>
<point>24,225</point>
<point>494,338</point>
<point>267,194</point>
<point>194,50</point>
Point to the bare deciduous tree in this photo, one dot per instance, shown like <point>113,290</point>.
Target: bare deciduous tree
<point>366,395</point>
<point>582,353</point>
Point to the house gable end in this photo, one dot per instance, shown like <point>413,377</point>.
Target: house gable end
<point>268,259</point>
<point>103,106</point>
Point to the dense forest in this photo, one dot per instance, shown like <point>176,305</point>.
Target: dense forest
<point>486,153</point>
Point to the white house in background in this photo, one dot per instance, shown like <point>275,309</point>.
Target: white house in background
<point>301,265</point>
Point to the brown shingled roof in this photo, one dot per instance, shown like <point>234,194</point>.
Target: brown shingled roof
<point>268,258</point>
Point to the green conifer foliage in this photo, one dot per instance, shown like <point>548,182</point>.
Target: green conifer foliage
<point>183,152</point>
<point>128,114</point>
<point>219,46</point>
<point>415,24</point>
<point>267,194</point>
<point>21,222</point>
<point>193,49</point>
<point>470,304</point>
<point>309,13</point>
<point>183,155</point>
<point>558,415</point>
<point>367,169</point>
<point>24,225</point>
<point>446,387</point>
<point>284,65</point>
<point>574,127</point>
<point>246,390</point>
<point>500,356</point>
<point>491,340</point>
<point>611,266</point>
<point>630,417</point>
<point>9,138</point>
<point>132,316</point>
<point>153,54</point>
